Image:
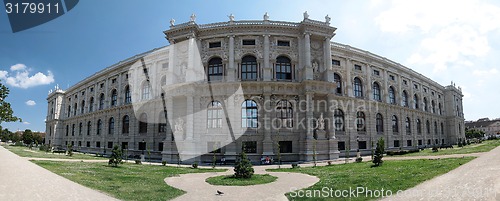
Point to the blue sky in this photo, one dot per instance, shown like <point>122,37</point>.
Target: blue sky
<point>444,40</point>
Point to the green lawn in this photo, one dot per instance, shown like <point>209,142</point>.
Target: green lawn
<point>230,180</point>
<point>34,153</point>
<point>485,146</point>
<point>392,175</point>
<point>126,182</point>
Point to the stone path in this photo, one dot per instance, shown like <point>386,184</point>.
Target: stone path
<point>23,180</point>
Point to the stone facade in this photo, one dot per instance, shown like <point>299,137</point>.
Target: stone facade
<point>267,86</point>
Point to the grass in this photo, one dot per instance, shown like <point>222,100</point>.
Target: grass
<point>485,146</point>
<point>125,182</point>
<point>230,180</point>
<point>35,153</point>
<point>392,175</point>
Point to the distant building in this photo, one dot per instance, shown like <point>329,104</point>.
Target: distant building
<point>489,127</point>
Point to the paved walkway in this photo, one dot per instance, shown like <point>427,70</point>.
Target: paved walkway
<point>23,180</point>
<point>478,179</point>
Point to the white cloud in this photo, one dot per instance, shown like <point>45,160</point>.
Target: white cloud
<point>21,77</point>
<point>30,103</point>
<point>26,123</point>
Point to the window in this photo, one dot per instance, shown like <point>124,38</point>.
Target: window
<point>284,112</point>
<point>99,126</point>
<point>283,43</point>
<point>435,128</point>
<point>124,145</point>
<point>415,100</point>
<point>128,97</point>
<point>357,67</point>
<point>376,72</point>
<point>283,68</point>
<point>113,80</point>
<point>405,99</point>
<point>89,127</point>
<point>420,143</point>
<point>419,126</point>
<point>415,86</point>
<point>249,146</point>
<point>215,69</point>
<point>214,44</point>
<point>98,144</point>
<point>80,128</point>
<point>433,107</point>
<point>113,97</point>
<point>426,108</point>
<point>358,88</point>
<point>110,145</point>
<point>360,121</point>
<point>361,144</point>
<point>392,95</point>
<point>338,81</point>
<point>125,124</point>
<point>162,126</point>
<point>392,77</point>
<point>408,125</point>
<point>428,127</point>
<point>335,62</point>
<point>405,82</point>
<point>67,130</point>
<point>341,146</point>
<point>408,143</point>
<point>442,129</point>
<point>101,85</point>
<point>145,91</point>
<point>75,109</point>
<point>101,102</point>
<point>395,127</point>
<point>248,68</point>
<point>376,92</point>
<point>91,104</point>
<point>214,115</point>
<point>249,114</point>
<point>285,146</point>
<point>88,143</point>
<point>143,125</point>
<point>142,145</point>
<point>379,123</point>
<point>248,42</point>
<point>425,90</point>
<point>111,126</point>
<point>69,110</point>
<point>428,141</point>
<point>73,130</point>
<point>82,107</point>
<point>396,143</point>
<point>338,115</point>
<point>91,89</point>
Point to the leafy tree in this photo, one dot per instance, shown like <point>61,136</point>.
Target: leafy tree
<point>6,112</point>
<point>473,133</point>
<point>27,136</point>
<point>243,168</point>
<point>116,156</point>
<point>379,153</point>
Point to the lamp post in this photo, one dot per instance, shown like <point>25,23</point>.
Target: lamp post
<point>358,154</point>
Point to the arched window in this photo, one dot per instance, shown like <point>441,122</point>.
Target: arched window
<point>395,127</point>
<point>128,97</point>
<point>143,123</point>
<point>284,112</point>
<point>339,120</point>
<point>162,125</point>
<point>89,127</point>
<point>442,129</point>
<point>419,126</point>
<point>392,95</point>
<point>125,124</point>
<point>215,69</point>
<point>358,88</point>
<point>428,127</point>
<point>435,128</point>
<point>249,114</point>
<point>338,81</point>
<point>214,115</point>
<point>101,102</point>
<point>433,107</point>
<point>248,68</point>
<point>360,121</point>
<point>91,104</point>
<point>145,91</point>
<point>67,130</point>
<point>99,126</point>
<point>408,125</point>
<point>415,100</point>
<point>111,126</point>
<point>440,109</point>
<point>426,108</point>
<point>376,92</point>
<point>404,96</point>
<point>69,110</point>
<point>82,107</point>
<point>283,68</point>
<point>73,130</point>
<point>379,123</point>
<point>75,109</point>
<point>114,97</point>
<point>80,128</point>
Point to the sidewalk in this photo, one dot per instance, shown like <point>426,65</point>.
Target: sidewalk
<point>23,180</point>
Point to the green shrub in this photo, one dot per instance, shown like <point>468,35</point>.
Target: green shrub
<point>243,168</point>
<point>359,160</point>
<point>116,156</point>
<point>44,148</point>
<point>138,162</point>
<point>329,162</point>
<point>435,149</point>
<point>195,165</point>
<point>70,150</point>
<point>164,163</point>
<point>295,165</point>
<point>19,144</point>
<point>379,153</point>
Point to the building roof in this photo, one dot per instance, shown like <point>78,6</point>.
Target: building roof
<point>480,123</point>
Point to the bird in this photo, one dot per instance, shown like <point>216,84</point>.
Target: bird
<point>220,192</point>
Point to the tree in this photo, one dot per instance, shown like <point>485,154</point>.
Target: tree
<point>6,112</point>
<point>27,136</point>
<point>243,168</point>
<point>116,156</point>
<point>379,153</point>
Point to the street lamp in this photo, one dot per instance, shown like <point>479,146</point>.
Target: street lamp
<point>358,154</point>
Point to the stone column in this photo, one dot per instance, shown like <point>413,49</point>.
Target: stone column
<point>308,75</point>
<point>369,84</point>
<point>386,88</point>
<point>328,53</point>
<point>348,80</point>
<point>231,69</point>
<point>190,75</point>
<point>309,115</point>
<point>267,68</point>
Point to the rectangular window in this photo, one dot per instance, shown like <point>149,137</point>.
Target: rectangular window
<point>160,146</point>
<point>425,90</point>
<point>376,72</point>
<point>83,93</point>
<point>415,86</point>
<point>142,146</point>
<point>113,80</point>
<point>214,147</point>
<point>285,146</point>
<point>396,143</point>
<point>98,144</point>
<point>214,44</point>
<point>124,145</point>
<point>405,82</point>
<point>79,143</point>
<point>283,43</point>
<point>91,89</point>
<point>341,146</point>
<point>362,145</point>
<point>357,67</point>
<point>392,77</point>
<point>335,62</point>
<point>408,143</point>
<point>250,146</point>
<point>419,142</point>
<point>110,145</point>
<point>249,42</point>
<point>88,144</point>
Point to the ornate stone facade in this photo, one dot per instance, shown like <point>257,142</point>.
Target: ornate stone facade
<point>263,86</point>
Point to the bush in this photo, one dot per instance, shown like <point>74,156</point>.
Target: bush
<point>70,150</point>
<point>195,165</point>
<point>359,160</point>
<point>243,168</point>
<point>164,163</point>
<point>116,156</point>
<point>295,165</point>
<point>138,162</point>
<point>401,152</point>
<point>435,149</point>
<point>44,148</point>
<point>19,143</point>
<point>329,162</point>
<point>379,153</point>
